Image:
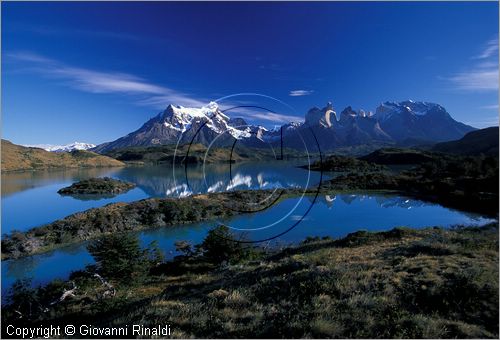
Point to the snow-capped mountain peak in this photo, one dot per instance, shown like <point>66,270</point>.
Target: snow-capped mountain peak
<point>63,148</point>
<point>182,118</point>
<point>191,112</point>
<point>389,109</point>
<point>393,122</point>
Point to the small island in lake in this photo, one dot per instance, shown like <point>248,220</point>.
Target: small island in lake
<point>97,186</point>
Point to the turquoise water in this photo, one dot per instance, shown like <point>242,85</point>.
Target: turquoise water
<point>31,200</point>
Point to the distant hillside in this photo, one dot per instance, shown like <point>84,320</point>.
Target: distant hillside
<point>165,154</point>
<point>16,157</point>
<point>484,141</point>
<point>197,154</point>
<point>398,156</point>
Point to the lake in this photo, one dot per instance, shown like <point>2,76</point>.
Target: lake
<point>30,199</point>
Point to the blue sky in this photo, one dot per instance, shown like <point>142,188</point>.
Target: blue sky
<point>92,72</point>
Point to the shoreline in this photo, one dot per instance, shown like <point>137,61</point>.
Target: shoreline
<point>145,214</point>
<point>153,206</point>
<point>455,184</point>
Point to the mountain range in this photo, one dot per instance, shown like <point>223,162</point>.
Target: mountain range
<point>62,148</point>
<point>393,123</point>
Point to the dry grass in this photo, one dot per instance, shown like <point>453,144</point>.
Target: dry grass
<point>16,157</point>
<point>428,283</point>
<point>404,283</point>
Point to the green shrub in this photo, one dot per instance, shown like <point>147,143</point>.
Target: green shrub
<point>24,300</point>
<point>120,256</point>
<point>221,245</point>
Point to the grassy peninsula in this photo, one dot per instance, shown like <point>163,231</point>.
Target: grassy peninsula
<point>123,217</point>
<point>460,182</point>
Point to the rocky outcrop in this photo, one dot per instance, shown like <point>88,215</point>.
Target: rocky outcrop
<point>325,117</point>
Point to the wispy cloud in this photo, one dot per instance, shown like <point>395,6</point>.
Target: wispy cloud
<point>144,92</point>
<point>483,74</point>
<point>255,115</point>
<point>485,122</point>
<point>476,80</point>
<point>171,97</point>
<point>29,57</point>
<point>55,31</point>
<point>275,117</point>
<point>299,93</point>
<point>490,107</point>
<point>489,50</point>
